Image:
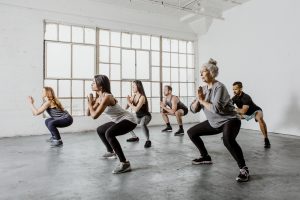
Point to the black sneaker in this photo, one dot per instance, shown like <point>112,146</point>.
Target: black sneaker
<point>267,143</point>
<point>167,129</point>
<point>147,144</point>
<point>133,139</point>
<point>202,160</point>
<point>179,132</point>
<point>244,175</point>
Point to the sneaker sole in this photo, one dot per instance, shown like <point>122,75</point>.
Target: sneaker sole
<point>124,171</point>
<point>202,163</point>
<point>241,181</point>
<point>110,157</point>
<point>167,131</point>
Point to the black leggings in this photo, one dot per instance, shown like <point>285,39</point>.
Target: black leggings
<point>108,132</point>
<point>230,130</point>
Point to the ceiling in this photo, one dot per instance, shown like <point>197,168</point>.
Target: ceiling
<point>183,10</point>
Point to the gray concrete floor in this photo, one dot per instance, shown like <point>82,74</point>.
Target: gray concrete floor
<point>30,169</point>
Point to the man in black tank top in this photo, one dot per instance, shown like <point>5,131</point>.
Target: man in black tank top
<point>247,109</point>
<point>171,105</point>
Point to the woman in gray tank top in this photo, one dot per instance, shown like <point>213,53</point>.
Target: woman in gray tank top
<point>121,122</point>
<point>59,117</point>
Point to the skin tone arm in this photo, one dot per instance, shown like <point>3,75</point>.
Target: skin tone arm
<point>242,110</point>
<point>138,106</point>
<point>201,100</point>
<point>96,111</point>
<point>95,103</point>
<point>129,100</point>
<point>40,110</point>
<point>174,106</point>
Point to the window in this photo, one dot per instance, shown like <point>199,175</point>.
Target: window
<point>74,54</point>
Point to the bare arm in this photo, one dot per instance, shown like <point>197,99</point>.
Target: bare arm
<point>174,106</point>
<point>96,112</point>
<point>242,110</point>
<point>139,105</point>
<point>40,110</point>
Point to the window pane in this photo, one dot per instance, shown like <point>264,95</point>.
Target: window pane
<point>136,41</point>
<point>183,89</point>
<point>175,88</point>
<point>155,108</point>
<point>142,65</point>
<point>51,32</point>
<point>104,37</point>
<point>52,84</point>
<point>115,88</point>
<point>115,72</point>
<point>83,61</point>
<point>115,55</point>
<point>174,45</point>
<point>126,40</point>
<point>88,89</point>
<point>190,61</point>
<point>155,89</point>
<point>64,88</point>
<point>191,89</point>
<point>123,103</point>
<point>149,104</point>
<point>174,59</point>
<point>115,39</point>
<point>174,75</point>
<point>90,36</point>
<point>128,64</point>
<point>165,59</point>
<point>126,89</point>
<point>191,77</point>
<point>166,74</point>
<point>183,77</point>
<point>104,69</point>
<point>182,46</point>
<point>104,54</point>
<point>66,103</point>
<point>77,88</point>
<point>64,33</point>
<point>184,100</point>
<point>155,43</point>
<point>190,47</point>
<point>182,60</point>
<point>147,89</point>
<point>155,74</point>
<point>166,46</point>
<point>155,58</point>
<point>77,34</point>
<point>145,42</point>
<point>58,60</point>
<point>77,107</point>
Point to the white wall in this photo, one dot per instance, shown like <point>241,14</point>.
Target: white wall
<point>21,52</point>
<point>258,44</point>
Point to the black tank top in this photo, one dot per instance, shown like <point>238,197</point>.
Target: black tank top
<point>180,105</point>
<point>143,111</point>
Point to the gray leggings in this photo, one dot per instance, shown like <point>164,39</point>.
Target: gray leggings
<point>144,121</point>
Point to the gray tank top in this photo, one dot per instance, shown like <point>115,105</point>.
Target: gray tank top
<point>116,113</point>
<point>180,105</point>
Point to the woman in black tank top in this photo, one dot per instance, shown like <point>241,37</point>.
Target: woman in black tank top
<point>139,103</point>
<point>59,117</point>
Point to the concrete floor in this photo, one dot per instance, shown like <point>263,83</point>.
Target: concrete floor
<point>29,169</point>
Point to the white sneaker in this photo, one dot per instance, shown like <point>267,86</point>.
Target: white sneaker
<point>110,155</point>
<point>122,168</point>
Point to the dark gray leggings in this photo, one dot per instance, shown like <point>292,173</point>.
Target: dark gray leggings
<point>144,121</point>
<point>52,124</point>
<point>230,131</point>
<point>108,132</point>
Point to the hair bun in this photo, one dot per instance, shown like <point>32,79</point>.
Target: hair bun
<point>212,61</point>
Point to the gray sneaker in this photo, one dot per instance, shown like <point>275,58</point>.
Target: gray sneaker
<point>109,155</point>
<point>56,143</point>
<point>50,139</point>
<point>122,168</point>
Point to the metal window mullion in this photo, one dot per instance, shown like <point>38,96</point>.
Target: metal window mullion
<point>71,100</point>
